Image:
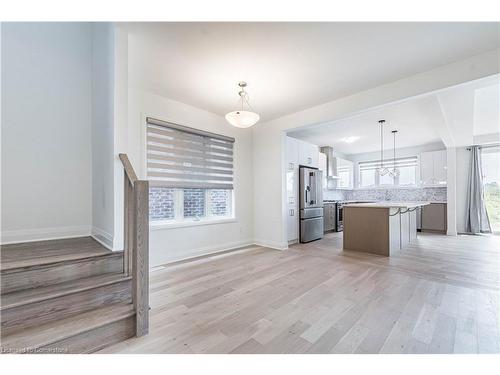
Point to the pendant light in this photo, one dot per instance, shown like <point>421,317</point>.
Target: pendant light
<point>382,170</point>
<point>242,118</point>
<point>395,171</point>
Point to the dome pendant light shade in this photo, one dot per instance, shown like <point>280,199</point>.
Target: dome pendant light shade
<point>242,118</point>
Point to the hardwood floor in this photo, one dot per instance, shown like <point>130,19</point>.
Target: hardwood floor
<point>42,252</point>
<point>440,295</point>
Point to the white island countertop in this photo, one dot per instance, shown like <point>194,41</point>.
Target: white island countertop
<point>388,204</point>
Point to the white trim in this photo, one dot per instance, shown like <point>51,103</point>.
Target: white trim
<point>158,225</point>
<point>103,237</point>
<point>272,244</point>
<point>31,235</point>
<point>210,250</point>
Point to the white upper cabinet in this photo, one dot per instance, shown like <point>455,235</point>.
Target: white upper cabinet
<point>433,168</point>
<point>292,188</point>
<point>292,153</point>
<point>426,168</point>
<point>440,167</point>
<point>322,167</point>
<point>308,154</point>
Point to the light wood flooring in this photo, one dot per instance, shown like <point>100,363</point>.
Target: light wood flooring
<point>440,295</point>
<point>43,252</point>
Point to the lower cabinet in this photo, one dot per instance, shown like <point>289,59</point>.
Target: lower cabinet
<point>434,217</point>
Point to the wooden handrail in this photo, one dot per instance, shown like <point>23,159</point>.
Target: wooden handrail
<point>136,249</point>
<point>129,170</point>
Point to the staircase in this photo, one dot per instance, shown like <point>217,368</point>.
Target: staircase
<point>66,296</point>
<point>74,295</point>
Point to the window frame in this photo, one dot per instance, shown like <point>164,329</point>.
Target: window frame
<point>180,221</point>
<point>396,184</point>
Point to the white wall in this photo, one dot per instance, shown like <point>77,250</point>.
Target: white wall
<point>179,243</point>
<point>102,132</point>
<point>46,133</point>
<point>462,176</point>
<point>268,137</point>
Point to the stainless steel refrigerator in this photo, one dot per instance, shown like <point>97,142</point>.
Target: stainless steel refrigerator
<point>311,204</point>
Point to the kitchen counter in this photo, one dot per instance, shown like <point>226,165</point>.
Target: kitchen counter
<point>380,228</point>
<point>388,204</point>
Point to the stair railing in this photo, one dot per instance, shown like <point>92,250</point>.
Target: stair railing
<point>136,246</point>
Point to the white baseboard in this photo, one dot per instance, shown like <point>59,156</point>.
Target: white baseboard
<point>31,235</point>
<point>103,237</point>
<point>207,251</point>
<point>272,244</point>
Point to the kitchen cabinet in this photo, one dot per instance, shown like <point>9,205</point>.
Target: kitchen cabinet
<point>440,167</point>
<point>292,188</point>
<point>308,154</point>
<point>433,217</point>
<point>329,215</point>
<point>322,168</point>
<point>433,169</point>
<point>297,153</point>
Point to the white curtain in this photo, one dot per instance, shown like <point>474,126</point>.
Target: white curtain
<point>477,220</point>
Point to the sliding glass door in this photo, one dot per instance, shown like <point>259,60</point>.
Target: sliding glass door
<point>490,158</point>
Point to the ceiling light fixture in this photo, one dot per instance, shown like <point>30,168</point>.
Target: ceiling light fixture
<point>350,139</point>
<point>242,118</point>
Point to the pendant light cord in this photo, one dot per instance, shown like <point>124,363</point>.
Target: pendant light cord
<point>394,152</point>
<point>381,144</point>
<point>244,97</point>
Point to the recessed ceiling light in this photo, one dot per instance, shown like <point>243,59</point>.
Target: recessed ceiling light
<point>349,139</point>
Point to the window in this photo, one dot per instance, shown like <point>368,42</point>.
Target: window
<point>490,163</point>
<point>344,174</point>
<point>173,205</point>
<point>190,173</point>
<point>369,177</point>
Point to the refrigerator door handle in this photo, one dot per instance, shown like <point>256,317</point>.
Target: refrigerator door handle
<point>312,177</point>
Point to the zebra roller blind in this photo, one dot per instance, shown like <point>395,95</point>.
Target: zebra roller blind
<point>183,157</point>
<point>389,163</point>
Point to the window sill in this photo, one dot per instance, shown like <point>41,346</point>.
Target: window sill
<point>157,225</point>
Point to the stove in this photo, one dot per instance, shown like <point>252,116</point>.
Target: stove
<point>339,211</point>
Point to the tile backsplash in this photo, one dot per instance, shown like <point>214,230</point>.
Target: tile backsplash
<point>435,194</point>
<point>334,195</point>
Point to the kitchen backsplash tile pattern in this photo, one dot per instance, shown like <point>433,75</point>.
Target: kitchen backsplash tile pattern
<point>436,194</point>
<point>334,195</point>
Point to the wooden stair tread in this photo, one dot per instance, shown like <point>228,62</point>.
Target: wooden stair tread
<point>45,334</point>
<point>45,252</point>
<point>50,261</point>
<point>23,297</point>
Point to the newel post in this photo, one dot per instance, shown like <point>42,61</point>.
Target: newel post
<point>140,258</point>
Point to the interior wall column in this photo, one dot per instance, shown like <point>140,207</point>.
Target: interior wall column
<point>451,190</point>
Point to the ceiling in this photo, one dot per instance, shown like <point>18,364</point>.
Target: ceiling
<point>458,113</point>
<point>415,121</point>
<point>291,66</point>
<point>487,110</point>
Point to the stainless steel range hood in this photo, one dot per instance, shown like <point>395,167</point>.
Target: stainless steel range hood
<point>331,163</point>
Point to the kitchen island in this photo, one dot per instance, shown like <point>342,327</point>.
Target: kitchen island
<point>381,227</point>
